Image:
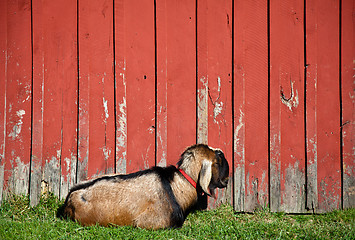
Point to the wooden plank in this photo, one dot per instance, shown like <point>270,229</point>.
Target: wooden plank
<point>214,54</point>
<point>17,107</point>
<point>55,96</point>
<point>176,78</point>
<point>3,69</point>
<point>120,88</point>
<point>323,160</point>
<point>135,90</point>
<point>96,89</point>
<point>250,106</point>
<point>348,100</point>
<point>287,135</point>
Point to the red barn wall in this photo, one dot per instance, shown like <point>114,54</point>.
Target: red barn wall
<point>97,87</point>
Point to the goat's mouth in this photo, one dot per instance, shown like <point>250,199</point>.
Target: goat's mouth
<point>223,183</point>
<point>220,184</point>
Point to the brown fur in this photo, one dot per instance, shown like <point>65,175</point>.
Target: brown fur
<point>142,200</point>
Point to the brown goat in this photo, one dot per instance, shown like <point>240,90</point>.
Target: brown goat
<point>154,198</point>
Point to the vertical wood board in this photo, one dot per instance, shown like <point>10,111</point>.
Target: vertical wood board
<point>348,100</point>
<point>176,79</point>
<point>287,144</point>
<point>18,97</point>
<point>120,87</point>
<point>139,55</point>
<point>96,89</point>
<point>55,98</point>
<point>214,54</point>
<point>250,106</point>
<point>3,76</point>
<point>323,160</point>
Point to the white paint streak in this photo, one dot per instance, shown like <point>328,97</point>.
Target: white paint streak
<point>122,124</point>
<point>104,102</point>
<point>218,107</point>
<point>202,136</point>
<point>240,149</point>
<point>16,130</point>
<point>121,136</point>
<point>106,152</point>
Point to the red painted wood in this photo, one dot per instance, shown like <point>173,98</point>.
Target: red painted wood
<point>96,89</point>
<point>120,87</point>
<point>176,79</point>
<point>323,75</point>
<point>287,144</point>
<point>250,105</point>
<point>17,118</point>
<point>136,82</point>
<point>214,41</point>
<point>3,67</point>
<point>55,95</point>
<point>348,100</point>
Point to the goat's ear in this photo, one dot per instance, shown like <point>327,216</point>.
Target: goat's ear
<point>205,176</point>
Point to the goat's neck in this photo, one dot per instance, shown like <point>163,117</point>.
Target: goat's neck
<point>185,193</point>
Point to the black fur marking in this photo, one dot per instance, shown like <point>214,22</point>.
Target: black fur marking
<point>223,167</point>
<point>112,178</point>
<point>167,176</point>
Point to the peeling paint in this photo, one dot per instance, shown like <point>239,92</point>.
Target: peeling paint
<point>329,200</point>
<point>106,152</point>
<point>162,136</point>
<point>122,137</point>
<point>275,171</point>
<point>145,158</point>
<point>239,188</point>
<point>237,135</point>
<point>52,174</point>
<point>312,186</point>
<point>16,130</point>
<point>292,101</point>
<point>293,197</point>
<point>218,105</point>
<point>349,185</point>
<point>18,181</point>
<point>68,180</point>
<point>202,136</point>
<point>104,102</point>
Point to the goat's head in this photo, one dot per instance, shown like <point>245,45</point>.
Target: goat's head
<point>207,166</point>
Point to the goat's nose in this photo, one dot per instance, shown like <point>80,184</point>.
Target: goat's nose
<point>225,181</point>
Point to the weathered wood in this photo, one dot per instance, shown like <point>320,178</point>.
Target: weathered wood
<point>323,137</point>
<point>120,87</point>
<point>138,52</point>
<point>250,105</point>
<point>214,61</point>
<point>176,78</point>
<point>287,144</point>
<point>54,105</point>
<point>3,68</point>
<point>17,107</point>
<point>96,89</point>
<point>348,100</point>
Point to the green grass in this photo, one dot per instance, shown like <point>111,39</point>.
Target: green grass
<point>19,221</point>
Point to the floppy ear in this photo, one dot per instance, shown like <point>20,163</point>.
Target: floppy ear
<point>205,176</point>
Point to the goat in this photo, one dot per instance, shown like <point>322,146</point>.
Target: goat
<point>160,197</point>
